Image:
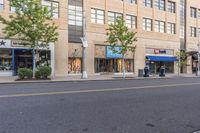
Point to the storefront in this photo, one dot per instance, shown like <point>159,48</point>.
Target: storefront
<point>14,56</point>
<point>106,61</point>
<point>156,58</point>
<point>75,60</point>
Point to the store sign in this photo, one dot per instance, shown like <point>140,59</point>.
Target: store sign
<point>159,51</point>
<point>111,54</point>
<point>156,51</point>
<point>17,43</point>
<point>5,43</point>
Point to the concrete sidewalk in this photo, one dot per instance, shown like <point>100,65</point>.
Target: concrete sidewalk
<point>77,78</point>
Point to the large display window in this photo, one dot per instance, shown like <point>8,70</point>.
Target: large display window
<point>155,67</point>
<point>43,58</point>
<point>113,65</point>
<point>74,65</point>
<point>6,60</point>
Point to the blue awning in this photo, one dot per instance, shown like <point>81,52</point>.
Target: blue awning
<point>161,58</point>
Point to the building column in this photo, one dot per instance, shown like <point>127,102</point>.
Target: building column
<point>139,60</point>
<point>189,65</point>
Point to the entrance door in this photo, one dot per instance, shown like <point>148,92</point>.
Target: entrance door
<point>23,59</point>
<point>155,67</point>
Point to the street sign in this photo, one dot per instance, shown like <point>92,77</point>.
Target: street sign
<point>84,42</point>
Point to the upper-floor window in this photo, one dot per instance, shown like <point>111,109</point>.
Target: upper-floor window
<point>148,3</point>
<point>171,7</point>
<point>198,33</point>
<point>199,13</point>
<point>147,24</point>
<point>160,4</point>
<point>12,9</point>
<point>193,32</point>
<point>112,17</point>
<point>75,16</point>
<point>1,5</point>
<point>193,12</point>
<point>159,26</point>
<point>132,1</point>
<point>75,20</point>
<point>171,28</point>
<point>52,6</point>
<point>131,21</point>
<point>97,16</point>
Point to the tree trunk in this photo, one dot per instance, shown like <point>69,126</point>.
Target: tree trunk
<point>123,67</point>
<point>34,63</point>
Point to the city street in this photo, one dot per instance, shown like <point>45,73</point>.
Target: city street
<point>119,106</point>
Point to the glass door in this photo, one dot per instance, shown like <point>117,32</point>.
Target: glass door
<point>23,59</point>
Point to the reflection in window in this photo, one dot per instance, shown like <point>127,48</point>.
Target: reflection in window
<point>97,16</point>
<point>147,24</point>
<point>112,16</point>
<point>1,5</point>
<point>5,59</point>
<point>131,21</point>
<point>159,26</point>
<point>44,58</point>
<point>74,65</point>
<point>75,20</point>
<point>53,7</point>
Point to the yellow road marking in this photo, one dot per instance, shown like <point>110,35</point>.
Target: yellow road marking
<point>94,90</point>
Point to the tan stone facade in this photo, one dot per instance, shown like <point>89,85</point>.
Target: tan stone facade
<point>96,34</point>
<point>146,39</point>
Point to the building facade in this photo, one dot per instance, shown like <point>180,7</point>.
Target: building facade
<point>156,23</point>
<point>163,27</point>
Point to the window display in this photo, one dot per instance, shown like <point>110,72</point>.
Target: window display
<point>43,58</point>
<point>74,65</point>
<point>113,65</point>
<point>5,60</point>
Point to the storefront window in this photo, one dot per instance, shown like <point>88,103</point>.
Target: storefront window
<point>5,59</point>
<point>113,65</point>
<point>155,67</point>
<point>44,58</point>
<point>74,65</point>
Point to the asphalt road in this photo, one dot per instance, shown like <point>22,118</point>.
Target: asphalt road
<point>121,106</point>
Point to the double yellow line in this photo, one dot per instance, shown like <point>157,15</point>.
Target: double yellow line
<point>94,90</point>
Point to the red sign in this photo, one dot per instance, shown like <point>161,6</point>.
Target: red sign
<point>159,51</point>
<point>156,51</point>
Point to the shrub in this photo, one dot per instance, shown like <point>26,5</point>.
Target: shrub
<point>25,73</point>
<point>37,75</point>
<point>43,72</point>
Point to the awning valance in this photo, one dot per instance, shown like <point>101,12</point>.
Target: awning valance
<point>161,58</point>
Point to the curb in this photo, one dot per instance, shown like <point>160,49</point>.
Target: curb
<point>90,80</point>
<point>81,80</point>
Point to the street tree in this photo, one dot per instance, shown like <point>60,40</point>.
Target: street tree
<point>181,56</point>
<point>32,24</point>
<point>118,35</point>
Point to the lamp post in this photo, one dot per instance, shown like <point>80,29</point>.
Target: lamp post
<point>179,61</point>
<point>85,45</point>
<point>198,55</point>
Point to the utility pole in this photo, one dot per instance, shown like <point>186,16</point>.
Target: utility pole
<point>85,45</point>
<point>179,61</point>
<point>198,55</point>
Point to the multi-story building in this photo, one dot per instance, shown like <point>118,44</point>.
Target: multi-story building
<point>156,23</point>
<point>192,33</point>
<point>161,25</point>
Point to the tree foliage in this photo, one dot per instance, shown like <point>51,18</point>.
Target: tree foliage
<point>119,35</point>
<point>31,24</point>
<point>181,58</point>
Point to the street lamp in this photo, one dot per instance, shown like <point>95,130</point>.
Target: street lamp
<point>198,55</point>
<point>85,45</point>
